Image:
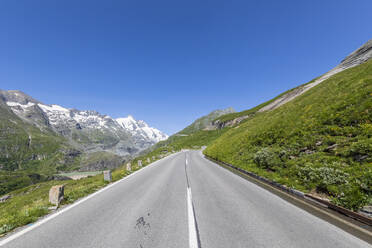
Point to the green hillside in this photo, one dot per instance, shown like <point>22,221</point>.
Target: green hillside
<point>251,112</point>
<point>205,121</point>
<point>320,141</point>
<point>27,155</point>
<point>194,136</point>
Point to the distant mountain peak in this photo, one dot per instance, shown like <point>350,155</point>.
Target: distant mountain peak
<point>141,130</point>
<point>224,111</point>
<point>87,129</point>
<point>16,96</point>
<point>130,117</point>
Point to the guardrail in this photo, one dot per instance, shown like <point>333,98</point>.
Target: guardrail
<point>362,218</point>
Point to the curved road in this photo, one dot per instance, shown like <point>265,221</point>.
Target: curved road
<point>180,201</point>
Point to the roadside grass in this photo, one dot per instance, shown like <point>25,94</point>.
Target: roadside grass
<point>30,203</point>
<point>320,142</point>
<point>194,140</point>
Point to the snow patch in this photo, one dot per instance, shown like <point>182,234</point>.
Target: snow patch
<point>53,108</point>
<point>141,130</point>
<point>14,104</point>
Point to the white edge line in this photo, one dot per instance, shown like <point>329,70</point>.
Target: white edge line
<point>52,216</point>
<point>193,239</point>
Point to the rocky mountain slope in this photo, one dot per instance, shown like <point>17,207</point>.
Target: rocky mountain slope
<point>87,130</point>
<point>38,140</point>
<point>205,122</point>
<point>143,135</point>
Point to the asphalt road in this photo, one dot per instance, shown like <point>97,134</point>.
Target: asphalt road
<point>184,200</point>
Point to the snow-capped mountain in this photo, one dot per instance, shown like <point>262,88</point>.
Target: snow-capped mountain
<point>87,130</point>
<point>141,131</point>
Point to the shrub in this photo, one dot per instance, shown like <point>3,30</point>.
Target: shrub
<point>365,181</point>
<point>323,177</point>
<point>269,158</point>
<point>351,197</point>
<point>362,147</point>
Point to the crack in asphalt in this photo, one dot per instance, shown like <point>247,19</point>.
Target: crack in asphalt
<point>143,228</point>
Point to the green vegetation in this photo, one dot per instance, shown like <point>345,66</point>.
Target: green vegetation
<point>27,155</point>
<point>194,136</point>
<point>319,142</point>
<point>205,121</point>
<point>28,204</point>
<point>251,112</point>
<point>176,143</point>
<point>192,140</point>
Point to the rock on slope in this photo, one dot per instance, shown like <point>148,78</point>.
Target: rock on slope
<point>357,57</point>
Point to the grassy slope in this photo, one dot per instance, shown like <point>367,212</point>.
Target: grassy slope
<point>191,137</point>
<point>23,162</point>
<point>291,144</point>
<point>253,111</point>
<point>193,140</point>
<point>30,203</point>
<point>176,143</point>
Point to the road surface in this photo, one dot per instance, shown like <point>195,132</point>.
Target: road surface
<point>181,201</point>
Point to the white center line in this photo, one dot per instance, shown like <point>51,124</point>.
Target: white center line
<point>193,238</point>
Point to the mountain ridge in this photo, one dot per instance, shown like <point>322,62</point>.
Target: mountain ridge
<point>206,121</point>
<point>80,126</point>
<point>357,57</point>
<point>38,140</point>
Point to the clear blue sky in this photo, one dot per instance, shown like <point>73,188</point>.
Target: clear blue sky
<point>169,62</point>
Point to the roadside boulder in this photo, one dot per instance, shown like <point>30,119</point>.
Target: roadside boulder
<point>129,167</point>
<point>107,176</point>
<point>4,198</point>
<point>56,194</point>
